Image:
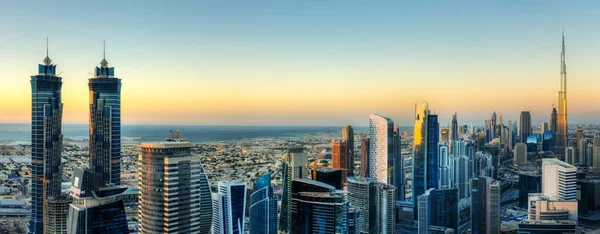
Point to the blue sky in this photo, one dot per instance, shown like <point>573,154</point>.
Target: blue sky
<point>306,62</point>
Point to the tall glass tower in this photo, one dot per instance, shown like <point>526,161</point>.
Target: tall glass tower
<point>46,140</point>
<point>561,130</point>
<point>229,208</point>
<point>263,207</point>
<point>425,150</point>
<point>381,148</point>
<point>105,123</point>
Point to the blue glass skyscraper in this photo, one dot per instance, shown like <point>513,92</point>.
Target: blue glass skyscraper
<point>263,207</point>
<point>46,140</point>
<point>425,153</point>
<point>105,123</point>
<point>229,208</point>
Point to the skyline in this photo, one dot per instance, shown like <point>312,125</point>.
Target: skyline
<point>255,64</point>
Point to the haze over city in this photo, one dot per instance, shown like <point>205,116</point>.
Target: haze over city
<point>305,63</point>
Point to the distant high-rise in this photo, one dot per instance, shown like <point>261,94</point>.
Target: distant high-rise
<point>364,158</point>
<point>381,147</point>
<point>544,127</point>
<point>520,154</point>
<point>318,208</point>
<point>425,150</point>
<point>293,168</point>
<point>46,141</point>
<point>596,152</point>
<point>105,123</point>
<point>174,192</point>
<point>229,208</point>
<point>525,127</point>
<point>577,146</point>
<point>582,151</point>
<point>570,157</point>
<point>554,123</point>
<point>398,166</point>
<point>561,130</point>
<point>558,179</point>
<point>97,207</point>
<point>263,207</point>
<point>348,138</point>
<point>485,205</point>
<point>454,130</point>
<point>339,157</point>
<point>444,170</point>
<point>445,136</point>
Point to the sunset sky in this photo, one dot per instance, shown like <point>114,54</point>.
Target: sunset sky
<point>306,62</point>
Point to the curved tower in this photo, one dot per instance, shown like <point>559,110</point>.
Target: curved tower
<point>46,140</point>
<point>105,123</point>
<point>561,131</point>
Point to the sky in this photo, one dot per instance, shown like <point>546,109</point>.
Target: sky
<point>306,62</point>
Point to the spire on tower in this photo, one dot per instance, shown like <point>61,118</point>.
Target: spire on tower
<point>47,61</point>
<point>104,63</point>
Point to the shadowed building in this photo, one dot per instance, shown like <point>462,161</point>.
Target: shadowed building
<point>348,138</point>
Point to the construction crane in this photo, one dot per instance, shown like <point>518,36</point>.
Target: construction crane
<point>315,166</point>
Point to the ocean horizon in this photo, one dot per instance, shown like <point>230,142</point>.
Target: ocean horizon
<point>20,133</point>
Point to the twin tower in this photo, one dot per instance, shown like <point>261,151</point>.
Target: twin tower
<point>47,137</point>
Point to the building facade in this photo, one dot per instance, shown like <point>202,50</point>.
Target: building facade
<point>263,207</point>
<point>229,208</point>
<point>425,150</point>
<point>105,123</point>
<point>318,208</point>
<point>46,141</point>
<point>559,179</point>
<point>293,168</point>
<point>525,126</point>
<point>381,147</point>
<point>348,139</point>
<point>174,194</point>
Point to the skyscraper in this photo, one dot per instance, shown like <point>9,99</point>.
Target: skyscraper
<point>425,150</point>
<point>317,208</point>
<point>398,167</point>
<point>525,127</point>
<point>570,157</point>
<point>97,207</point>
<point>174,193</point>
<point>485,205</point>
<point>561,131</point>
<point>596,152</point>
<point>454,130</point>
<point>348,138</point>
<point>444,168</point>
<point>46,141</point>
<point>229,208</point>
<point>577,146</point>
<point>362,194</point>
<point>263,207</point>
<point>294,168</point>
<point>438,208</point>
<point>339,157</point>
<point>387,208</point>
<point>544,127</point>
<point>381,147</point>
<point>558,179</point>
<point>105,123</point>
<point>554,123</point>
<point>520,154</point>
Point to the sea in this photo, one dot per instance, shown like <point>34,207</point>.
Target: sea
<point>20,133</point>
